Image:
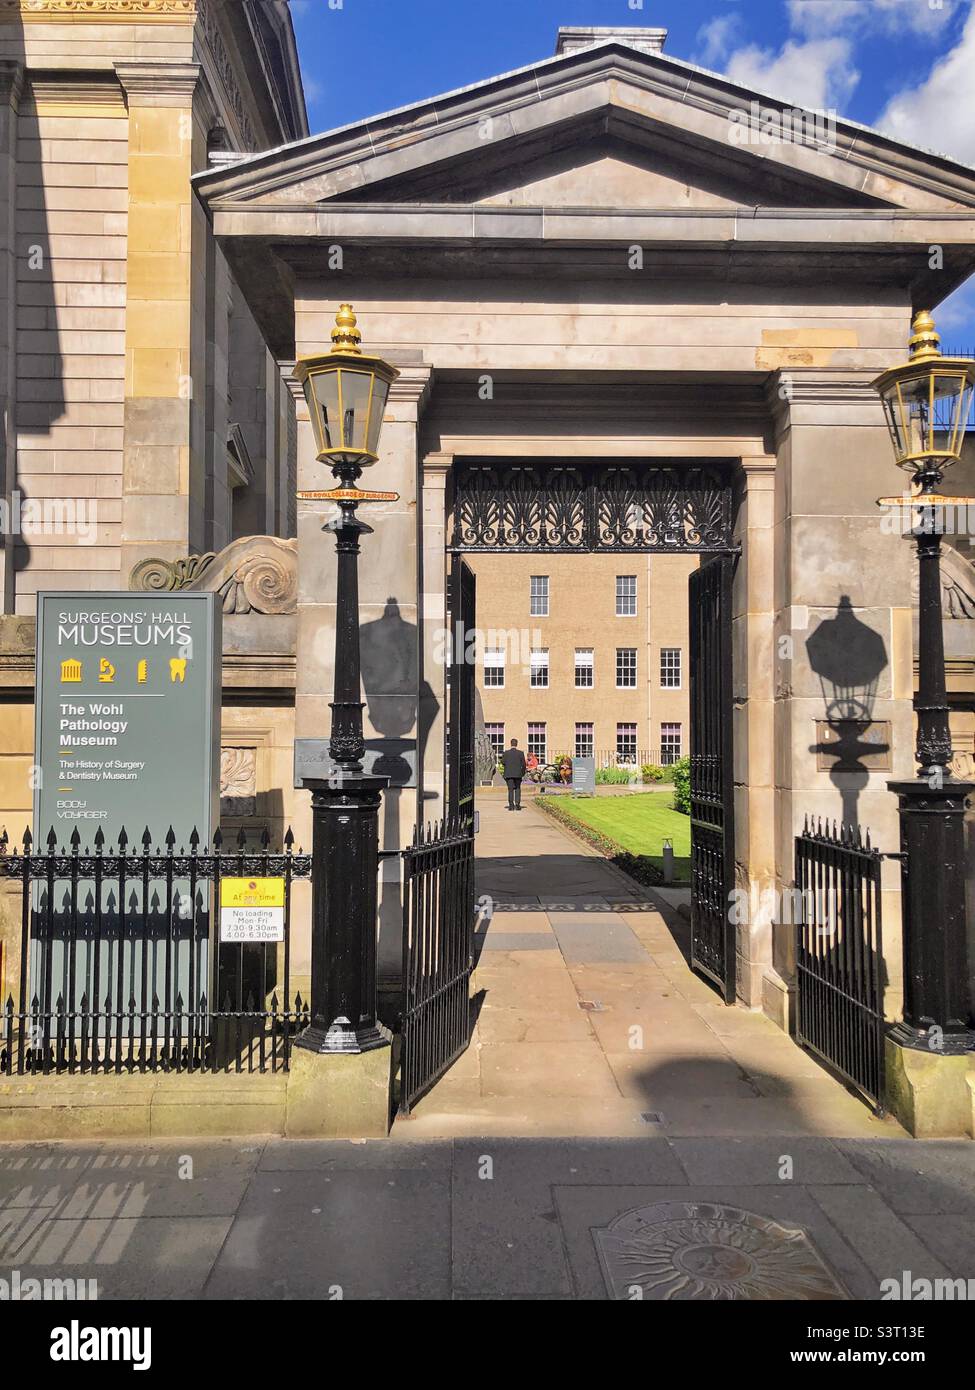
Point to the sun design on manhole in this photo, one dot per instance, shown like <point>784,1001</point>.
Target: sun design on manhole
<point>686,1250</point>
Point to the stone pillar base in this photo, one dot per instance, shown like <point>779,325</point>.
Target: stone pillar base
<point>338,1096</point>
<point>932,1095</point>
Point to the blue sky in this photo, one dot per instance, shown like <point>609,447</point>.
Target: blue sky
<point>904,66</point>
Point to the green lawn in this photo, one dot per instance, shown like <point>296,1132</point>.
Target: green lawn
<point>639,822</point>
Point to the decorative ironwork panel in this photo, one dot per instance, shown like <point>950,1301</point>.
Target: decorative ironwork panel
<point>712,785</point>
<point>606,506</point>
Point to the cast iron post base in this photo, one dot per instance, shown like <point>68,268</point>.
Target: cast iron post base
<point>345,863</point>
<point>934,862</point>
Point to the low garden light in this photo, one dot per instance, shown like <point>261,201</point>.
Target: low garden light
<point>346,391</point>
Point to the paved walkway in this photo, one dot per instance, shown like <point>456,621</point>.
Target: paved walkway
<point>591,1022</point>
<point>714,1161</point>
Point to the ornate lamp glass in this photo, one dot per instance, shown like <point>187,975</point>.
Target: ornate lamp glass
<point>927,401</point>
<point>346,391</point>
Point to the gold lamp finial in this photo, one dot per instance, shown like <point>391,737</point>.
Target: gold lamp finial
<point>345,335</point>
<point>925,340</point>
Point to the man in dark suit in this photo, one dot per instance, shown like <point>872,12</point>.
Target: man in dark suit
<point>513,766</point>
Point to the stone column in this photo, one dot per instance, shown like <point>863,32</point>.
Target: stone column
<point>835,560</point>
<point>11,85</point>
<point>163,490</point>
<point>753,686</point>
<point>431,793</point>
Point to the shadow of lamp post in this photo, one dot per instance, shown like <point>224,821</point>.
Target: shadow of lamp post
<point>927,401</point>
<point>346,393</point>
<point>848,657</point>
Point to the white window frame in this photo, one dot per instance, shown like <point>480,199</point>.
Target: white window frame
<point>627,724</point>
<point>585,724</point>
<point>631,685</point>
<point>626,597</point>
<point>537,724</point>
<point>494,665</point>
<point>675,752</point>
<point>538,662</point>
<point>541,596</point>
<point>669,670</point>
<point>584,665</point>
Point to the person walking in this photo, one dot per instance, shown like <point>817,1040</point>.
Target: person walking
<point>514,767</point>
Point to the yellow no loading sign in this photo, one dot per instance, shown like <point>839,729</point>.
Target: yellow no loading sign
<point>251,909</point>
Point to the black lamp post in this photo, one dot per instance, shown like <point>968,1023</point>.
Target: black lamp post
<point>927,401</point>
<point>346,393</point>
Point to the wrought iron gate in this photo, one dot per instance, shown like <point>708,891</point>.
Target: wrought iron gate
<point>839,954</point>
<point>712,774</point>
<point>438,954</point>
<point>460,693</point>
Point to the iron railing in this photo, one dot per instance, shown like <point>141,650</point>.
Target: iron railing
<point>839,954</point>
<point>438,953</point>
<point>612,757</point>
<point>119,965</point>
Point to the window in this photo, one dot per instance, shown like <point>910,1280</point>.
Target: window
<point>494,667</point>
<point>584,668</point>
<point>626,743</point>
<point>669,743</point>
<point>626,596</point>
<point>584,740</point>
<point>670,668</point>
<point>625,667</point>
<point>539,596</point>
<point>536,741</point>
<point>495,733</point>
<point>539,668</point>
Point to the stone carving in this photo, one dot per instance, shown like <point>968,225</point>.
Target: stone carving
<point>119,9</point>
<point>957,584</point>
<point>238,781</point>
<point>256,574</point>
<point>708,1251</point>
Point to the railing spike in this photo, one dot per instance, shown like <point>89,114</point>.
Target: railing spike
<point>146,840</point>
<point>241,839</point>
<point>194,840</point>
<point>99,840</point>
<point>28,839</point>
<point>52,840</point>
<point>265,838</point>
<point>289,839</point>
<point>218,840</point>
<point>123,840</point>
<point>170,839</point>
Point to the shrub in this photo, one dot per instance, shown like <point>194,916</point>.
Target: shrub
<point>652,772</point>
<point>682,785</point>
<point>616,775</point>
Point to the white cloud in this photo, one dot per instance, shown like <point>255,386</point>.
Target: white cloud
<point>715,39</point>
<point>819,74</point>
<point>939,113</point>
<point>816,18</point>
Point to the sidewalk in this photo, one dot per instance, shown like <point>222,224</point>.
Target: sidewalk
<point>590,1021</point>
<point>715,1162</point>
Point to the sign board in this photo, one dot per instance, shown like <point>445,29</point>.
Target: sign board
<point>251,909</point>
<point>127,734</point>
<point>394,758</point>
<point>127,716</point>
<point>584,776</point>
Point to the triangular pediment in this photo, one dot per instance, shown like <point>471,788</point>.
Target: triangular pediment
<point>610,127</point>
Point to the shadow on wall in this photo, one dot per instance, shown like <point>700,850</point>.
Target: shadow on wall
<point>849,658</point>
<point>402,710</point>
